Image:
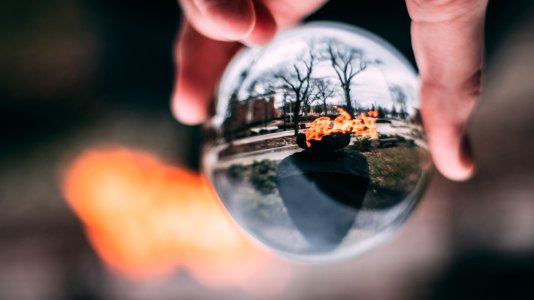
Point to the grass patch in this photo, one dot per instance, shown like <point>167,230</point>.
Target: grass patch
<point>394,168</point>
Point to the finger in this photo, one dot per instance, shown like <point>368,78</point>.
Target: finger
<point>200,63</point>
<point>265,26</point>
<point>225,20</point>
<point>447,38</point>
<point>289,12</point>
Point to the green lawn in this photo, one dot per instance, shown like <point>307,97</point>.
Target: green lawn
<point>396,168</point>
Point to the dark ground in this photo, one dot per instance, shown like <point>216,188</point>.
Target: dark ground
<point>78,73</point>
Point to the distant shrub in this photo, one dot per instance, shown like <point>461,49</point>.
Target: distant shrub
<point>263,176</point>
<point>382,121</point>
<point>400,138</point>
<point>237,171</point>
<point>264,183</point>
<point>263,166</point>
<point>383,136</point>
<point>361,144</point>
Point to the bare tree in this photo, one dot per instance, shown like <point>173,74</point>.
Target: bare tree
<point>297,79</point>
<point>347,62</point>
<point>323,89</point>
<point>398,96</point>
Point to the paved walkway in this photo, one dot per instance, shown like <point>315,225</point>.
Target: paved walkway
<point>281,152</point>
<point>257,138</point>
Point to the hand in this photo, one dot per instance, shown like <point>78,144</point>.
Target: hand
<point>213,31</point>
<point>447,38</point>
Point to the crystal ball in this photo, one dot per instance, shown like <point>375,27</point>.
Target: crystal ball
<point>316,148</point>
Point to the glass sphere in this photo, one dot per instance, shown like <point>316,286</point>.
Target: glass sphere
<point>316,147</point>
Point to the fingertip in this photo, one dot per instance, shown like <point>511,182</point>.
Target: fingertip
<point>233,20</point>
<point>460,173</point>
<point>188,111</point>
<point>458,166</point>
<point>445,113</point>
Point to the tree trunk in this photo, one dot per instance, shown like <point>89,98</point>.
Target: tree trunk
<point>284,112</point>
<point>296,117</point>
<point>348,101</point>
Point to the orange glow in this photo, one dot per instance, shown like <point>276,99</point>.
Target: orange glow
<point>362,125</point>
<point>145,218</point>
<point>373,113</point>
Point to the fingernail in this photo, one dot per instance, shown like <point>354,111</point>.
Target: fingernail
<point>233,35</point>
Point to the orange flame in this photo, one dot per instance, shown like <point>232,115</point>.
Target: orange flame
<point>145,218</point>
<point>362,125</point>
<point>373,113</point>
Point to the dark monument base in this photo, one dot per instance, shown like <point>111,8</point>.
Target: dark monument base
<point>323,193</point>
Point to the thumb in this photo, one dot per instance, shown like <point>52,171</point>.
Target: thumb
<point>448,43</point>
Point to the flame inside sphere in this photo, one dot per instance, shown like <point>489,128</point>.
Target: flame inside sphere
<point>362,125</point>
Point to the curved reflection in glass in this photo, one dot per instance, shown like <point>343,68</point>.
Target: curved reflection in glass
<point>317,148</point>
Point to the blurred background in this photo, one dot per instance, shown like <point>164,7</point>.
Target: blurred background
<point>100,196</point>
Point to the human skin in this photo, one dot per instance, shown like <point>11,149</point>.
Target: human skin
<point>447,38</point>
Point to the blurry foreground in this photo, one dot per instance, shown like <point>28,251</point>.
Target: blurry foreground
<point>145,219</point>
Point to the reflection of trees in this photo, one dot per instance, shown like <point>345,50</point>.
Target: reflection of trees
<point>399,98</point>
<point>298,86</point>
<point>297,79</point>
<point>381,111</point>
<point>323,89</point>
<point>260,174</point>
<point>347,62</point>
<point>417,117</point>
<point>285,95</point>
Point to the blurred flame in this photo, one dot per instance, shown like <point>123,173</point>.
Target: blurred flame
<point>362,125</point>
<point>373,113</point>
<point>145,218</point>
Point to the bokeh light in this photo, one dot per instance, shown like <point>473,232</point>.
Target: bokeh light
<point>147,219</point>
